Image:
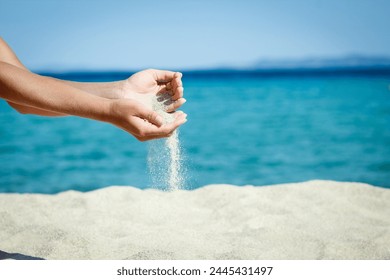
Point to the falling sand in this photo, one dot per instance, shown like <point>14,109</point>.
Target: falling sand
<point>164,156</point>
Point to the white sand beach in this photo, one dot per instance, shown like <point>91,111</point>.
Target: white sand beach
<point>310,220</point>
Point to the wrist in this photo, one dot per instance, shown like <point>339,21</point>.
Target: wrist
<point>102,112</point>
<point>125,89</point>
<point>119,89</point>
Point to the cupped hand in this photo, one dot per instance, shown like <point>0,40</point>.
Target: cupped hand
<point>153,81</point>
<point>142,122</point>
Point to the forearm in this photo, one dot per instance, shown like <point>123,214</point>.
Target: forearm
<point>28,89</point>
<point>111,90</point>
<point>8,56</point>
<point>108,90</point>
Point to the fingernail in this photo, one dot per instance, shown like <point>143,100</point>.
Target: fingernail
<point>183,116</point>
<point>184,100</point>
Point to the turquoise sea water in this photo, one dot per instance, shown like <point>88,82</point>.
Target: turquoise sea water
<point>241,129</point>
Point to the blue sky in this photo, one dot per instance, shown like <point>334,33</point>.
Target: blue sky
<point>67,35</point>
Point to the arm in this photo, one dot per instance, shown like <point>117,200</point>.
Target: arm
<point>9,57</point>
<point>147,81</point>
<point>22,87</point>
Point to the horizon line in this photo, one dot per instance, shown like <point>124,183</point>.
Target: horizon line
<point>293,68</point>
<point>309,63</point>
<point>381,71</point>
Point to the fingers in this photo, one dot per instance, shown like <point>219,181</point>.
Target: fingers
<point>178,93</point>
<point>142,122</point>
<point>177,86</point>
<point>150,115</point>
<point>174,85</point>
<point>162,76</point>
<point>173,106</point>
<point>179,115</point>
<point>149,131</point>
<point>170,105</point>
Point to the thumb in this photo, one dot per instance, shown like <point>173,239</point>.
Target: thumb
<point>150,115</point>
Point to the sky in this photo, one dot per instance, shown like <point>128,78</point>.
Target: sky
<point>60,35</point>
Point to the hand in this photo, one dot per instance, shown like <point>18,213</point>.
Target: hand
<point>156,82</point>
<point>142,122</point>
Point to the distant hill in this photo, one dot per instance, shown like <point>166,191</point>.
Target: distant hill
<point>352,65</point>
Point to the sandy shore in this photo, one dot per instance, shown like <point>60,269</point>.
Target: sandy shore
<point>311,220</point>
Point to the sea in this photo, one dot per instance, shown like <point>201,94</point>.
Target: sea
<point>244,128</point>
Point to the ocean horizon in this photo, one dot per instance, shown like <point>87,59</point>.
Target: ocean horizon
<point>253,127</point>
<point>303,71</point>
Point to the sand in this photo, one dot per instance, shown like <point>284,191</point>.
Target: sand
<point>164,155</point>
<point>310,220</point>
